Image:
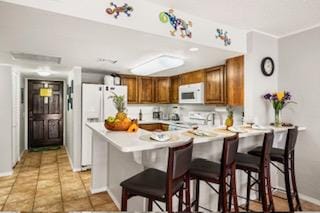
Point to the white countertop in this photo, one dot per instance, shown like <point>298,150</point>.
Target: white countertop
<point>131,142</point>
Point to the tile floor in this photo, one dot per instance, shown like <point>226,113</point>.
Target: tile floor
<point>44,182</point>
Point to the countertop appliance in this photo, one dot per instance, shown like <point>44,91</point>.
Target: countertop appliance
<point>191,93</point>
<point>96,107</point>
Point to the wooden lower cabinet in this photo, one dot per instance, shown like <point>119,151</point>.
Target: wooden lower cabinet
<point>154,127</point>
<point>162,88</point>
<point>235,81</point>
<point>146,90</point>
<point>215,85</point>
<point>131,81</point>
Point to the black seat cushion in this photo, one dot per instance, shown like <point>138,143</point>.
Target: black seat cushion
<point>248,162</point>
<point>205,169</point>
<point>151,182</point>
<point>276,154</point>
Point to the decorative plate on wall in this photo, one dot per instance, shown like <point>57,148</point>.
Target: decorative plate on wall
<point>267,66</point>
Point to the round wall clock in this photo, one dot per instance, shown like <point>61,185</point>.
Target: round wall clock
<point>267,66</point>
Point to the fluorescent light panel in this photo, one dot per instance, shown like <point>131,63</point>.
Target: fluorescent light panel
<point>161,63</point>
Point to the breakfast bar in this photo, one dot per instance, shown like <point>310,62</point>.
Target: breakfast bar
<point>119,155</point>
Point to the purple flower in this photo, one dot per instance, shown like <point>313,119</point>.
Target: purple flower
<point>287,96</point>
<point>267,96</point>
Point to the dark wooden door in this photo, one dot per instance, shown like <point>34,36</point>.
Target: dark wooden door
<point>146,90</point>
<point>45,117</point>
<point>215,84</point>
<point>162,89</point>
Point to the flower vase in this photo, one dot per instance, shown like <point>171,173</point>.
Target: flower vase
<point>277,122</point>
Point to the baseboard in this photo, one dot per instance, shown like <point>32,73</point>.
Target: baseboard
<point>95,191</point>
<point>114,199</point>
<point>306,198</point>
<point>21,154</point>
<point>70,160</point>
<point>4,174</point>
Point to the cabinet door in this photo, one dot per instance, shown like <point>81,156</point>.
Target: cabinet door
<point>131,82</point>
<point>162,88</point>
<point>235,81</point>
<point>175,83</point>
<point>192,77</point>
<point>146,90</point>
<point>215,85</point>
<point>151,127</point>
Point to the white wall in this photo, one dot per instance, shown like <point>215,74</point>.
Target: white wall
<point>73,142</point>
<point>6,119</point>
<point>256,84</point>
<point>300,74</point>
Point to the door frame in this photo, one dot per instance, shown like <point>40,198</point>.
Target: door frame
<point>26,93</point>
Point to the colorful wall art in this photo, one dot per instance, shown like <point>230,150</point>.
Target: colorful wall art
<point>114,9</point>
<point>176,23</point>
<point>223,35</point>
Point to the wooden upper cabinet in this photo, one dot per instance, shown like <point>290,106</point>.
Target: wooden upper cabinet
<point>162,88</point>
<point>215,85</point>
<point>132,82</point>
<point>175,83</point>
<point>192,77</point>
<point>235,81</point>
<point>146,90</point>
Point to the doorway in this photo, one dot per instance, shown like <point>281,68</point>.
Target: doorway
<point>45,113</point>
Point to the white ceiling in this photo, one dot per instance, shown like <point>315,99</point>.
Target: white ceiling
<point>276,17</point>
<point>80,42</point>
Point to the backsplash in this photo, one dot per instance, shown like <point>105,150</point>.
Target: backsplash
<point>182,110</point>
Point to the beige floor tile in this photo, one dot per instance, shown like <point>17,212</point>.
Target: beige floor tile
<point>25,180</point>
<point>72,186</point>
<point>100,198</point>
<point>3,199</point>
<point>25,206</point>
<point>7,183</point>
<point>5,191</point>
<point>20,196</point>
<point>68,195</point>
<point>49,191</point>
<point>49,176</point>
<point>47,200</point>
<point>57,207</point>
<point>24,187</point>
<point>78,205</point>
<point>107,207</point>
<point>47,183</point>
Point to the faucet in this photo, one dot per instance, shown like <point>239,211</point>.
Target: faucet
<point>213,118</point>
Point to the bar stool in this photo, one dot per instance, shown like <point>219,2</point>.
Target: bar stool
<point>212,172</point>
<point>157,185</point>
<point>286,157</point>
<point>261,165</point>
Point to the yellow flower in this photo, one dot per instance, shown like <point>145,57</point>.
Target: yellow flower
<point>280,95</point>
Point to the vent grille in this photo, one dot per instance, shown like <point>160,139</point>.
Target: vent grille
<point>36,58</point>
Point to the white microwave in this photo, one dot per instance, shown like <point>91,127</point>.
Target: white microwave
<point>191,94</point>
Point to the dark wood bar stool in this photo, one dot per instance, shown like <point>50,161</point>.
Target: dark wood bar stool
<point>286,157</point>
<point>222,174</point>
<point>260,165</point>
<point>157,185</point>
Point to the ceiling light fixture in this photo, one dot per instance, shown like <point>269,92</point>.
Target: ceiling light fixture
<point>194,49</point>
<point>163,62</point>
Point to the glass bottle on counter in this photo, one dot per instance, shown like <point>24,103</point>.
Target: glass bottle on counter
<point>140,115</point>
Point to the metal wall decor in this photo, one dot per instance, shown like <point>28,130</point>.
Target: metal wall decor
<point>114,9</point>
<point>223,35</point>
<point>177,24</point>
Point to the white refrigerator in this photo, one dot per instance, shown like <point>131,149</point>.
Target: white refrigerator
<point>96,107</point>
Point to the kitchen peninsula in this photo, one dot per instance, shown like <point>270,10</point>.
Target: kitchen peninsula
<point>119,155</point>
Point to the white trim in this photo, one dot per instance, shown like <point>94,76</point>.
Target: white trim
<point>300,31</point>
<point>70,160</point>
<point>21,154</point>
<point>264,33</point>
<point>113,198</point>
<point>4,174</point>
<point>98,190</point>
<point>306,198</point>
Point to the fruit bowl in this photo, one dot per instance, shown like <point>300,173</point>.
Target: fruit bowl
<point>117,126</point>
